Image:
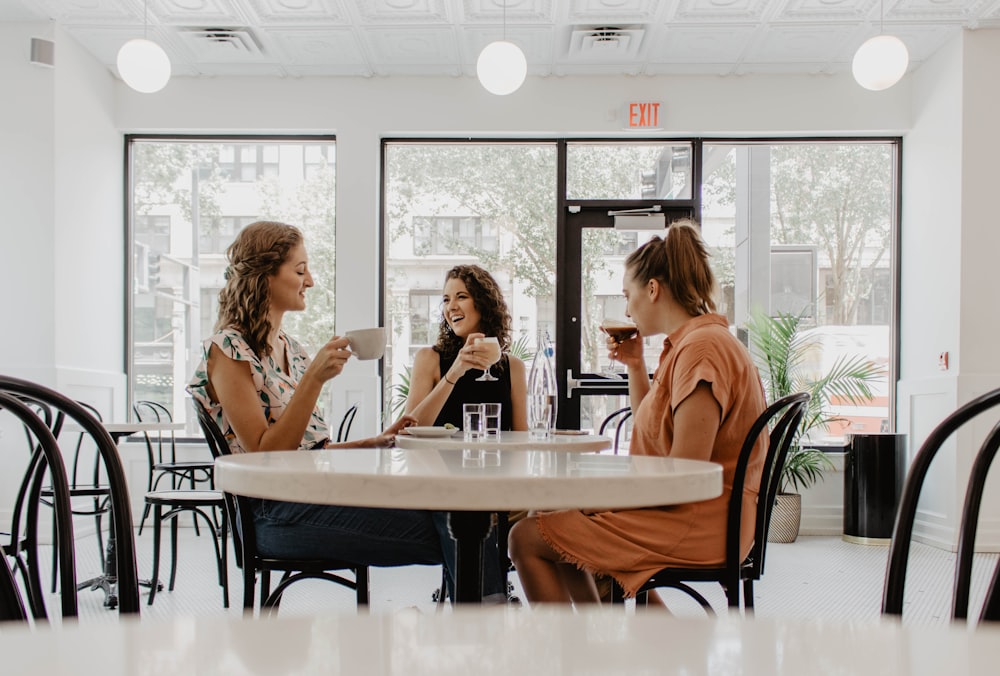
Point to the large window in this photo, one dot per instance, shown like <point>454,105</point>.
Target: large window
<point>809,229</point>
<point>456,203</point>
<point>188,199</point>
<point>797,227</point>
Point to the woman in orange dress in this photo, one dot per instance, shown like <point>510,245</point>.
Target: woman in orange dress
<point>704,396</point>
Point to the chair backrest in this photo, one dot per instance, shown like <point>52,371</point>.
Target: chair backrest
<point>45,454</point>
<point>780,421</point>
<point>345,423</point>
<point>128,578</point>
<point>237,508</point>
<point>153,411</point>
<point>899,548</point>
<point>79,453</point>
<point>619,418</point>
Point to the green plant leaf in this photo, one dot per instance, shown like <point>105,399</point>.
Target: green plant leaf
<point>780,347</point>
<point>400,391</point>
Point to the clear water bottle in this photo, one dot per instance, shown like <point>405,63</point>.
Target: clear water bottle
<point>542,390</point>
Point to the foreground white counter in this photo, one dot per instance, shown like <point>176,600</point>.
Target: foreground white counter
<point>500,641</point>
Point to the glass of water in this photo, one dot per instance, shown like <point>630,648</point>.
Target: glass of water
<point>491,421</point>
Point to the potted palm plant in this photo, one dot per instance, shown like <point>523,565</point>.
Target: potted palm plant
<point>780,348</point>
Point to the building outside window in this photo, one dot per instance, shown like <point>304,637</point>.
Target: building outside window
<point>248,163</point>
<point>190,197</point>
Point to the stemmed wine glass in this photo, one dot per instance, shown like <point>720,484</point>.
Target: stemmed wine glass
<point>492,353</point>
<point>620,331</point>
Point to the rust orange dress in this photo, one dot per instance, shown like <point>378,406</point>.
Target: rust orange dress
<point>631,545</point>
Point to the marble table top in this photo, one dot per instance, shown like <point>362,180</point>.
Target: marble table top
<point>474,480</point>
<point>510,441</point>
<point>127,428</point>
<point>549,641</point>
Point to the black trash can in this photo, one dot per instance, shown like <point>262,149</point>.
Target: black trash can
<point>874,469</point>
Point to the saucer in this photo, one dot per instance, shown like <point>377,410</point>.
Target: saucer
<point>430,432</point>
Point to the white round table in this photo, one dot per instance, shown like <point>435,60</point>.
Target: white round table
<point>470,484</point>
<point>509,441</point>
<point>487,641</point>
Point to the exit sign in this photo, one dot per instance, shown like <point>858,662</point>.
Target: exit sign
<point>643,114</point>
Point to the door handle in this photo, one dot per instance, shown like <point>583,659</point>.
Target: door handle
<point>573,383</point>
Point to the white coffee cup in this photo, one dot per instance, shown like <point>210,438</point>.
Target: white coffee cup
<point>367,343</point>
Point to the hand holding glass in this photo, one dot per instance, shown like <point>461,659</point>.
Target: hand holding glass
<point>619,331</point>
<point>490,351</point>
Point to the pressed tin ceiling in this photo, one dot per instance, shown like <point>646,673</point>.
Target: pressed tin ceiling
<point>295,38</point>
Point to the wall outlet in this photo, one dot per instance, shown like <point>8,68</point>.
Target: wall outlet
<point>943,361</point>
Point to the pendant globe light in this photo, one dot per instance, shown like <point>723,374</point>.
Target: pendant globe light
<point>142,63</point>
<point>501,66</point>
<point>881,61</point>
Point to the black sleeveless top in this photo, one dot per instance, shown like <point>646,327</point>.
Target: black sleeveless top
<point>468,391</point>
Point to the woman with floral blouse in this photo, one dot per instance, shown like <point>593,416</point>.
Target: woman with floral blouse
<point>262,389</point>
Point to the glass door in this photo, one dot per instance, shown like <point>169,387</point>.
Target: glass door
<point>591,293</point>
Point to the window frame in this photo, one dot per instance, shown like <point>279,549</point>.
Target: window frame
<point>129,236</point>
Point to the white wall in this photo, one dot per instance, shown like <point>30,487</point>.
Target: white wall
<point>27,175</point>
<point>89,234</point>
<point>949,245</point>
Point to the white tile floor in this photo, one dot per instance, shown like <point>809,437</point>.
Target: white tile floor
<point>814,577</point>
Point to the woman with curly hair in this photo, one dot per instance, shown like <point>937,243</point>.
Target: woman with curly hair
<point>261,388</point>
<point>444,376</point>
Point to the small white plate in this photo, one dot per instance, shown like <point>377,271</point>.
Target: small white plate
<point>418,431</point>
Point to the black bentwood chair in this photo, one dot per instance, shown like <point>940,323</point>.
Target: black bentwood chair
<point>344,430</point>
<point>120,574</point>
<point>22,546</point>
<point>161,452</point>
<point>240,513</point>
<point>619,419</point>
<point>16,542</point>
<point>899,548</point>
<point>200,504</point>
<point>786,414</point>
<point>91,494</point>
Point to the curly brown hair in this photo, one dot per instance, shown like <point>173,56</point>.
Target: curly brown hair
<point>254,257</point>
<point>489,302</point>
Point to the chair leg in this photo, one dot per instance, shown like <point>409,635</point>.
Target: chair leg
<point>142,520</point>
<point>362,591</point>
<point>173,549</point>
<point>748,597</point>
<point>154,578</point>
<point>33,586</point>
<point>55,556</point>
<point>224,559</point>
<point>100,535</point>
<point>249,580</point>
<point>265,586</point>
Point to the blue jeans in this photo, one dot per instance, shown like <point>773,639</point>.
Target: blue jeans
<point>366,536</point>
<point>361,535</point>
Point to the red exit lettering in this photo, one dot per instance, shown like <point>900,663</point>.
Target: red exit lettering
<point>643,115</point>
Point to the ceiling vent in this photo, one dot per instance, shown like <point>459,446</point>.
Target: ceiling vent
<point>605,43</point>
<point>221,45</point>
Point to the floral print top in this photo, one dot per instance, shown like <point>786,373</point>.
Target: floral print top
<point>274,387</point>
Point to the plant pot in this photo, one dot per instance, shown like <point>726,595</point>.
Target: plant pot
<point>785,518</point>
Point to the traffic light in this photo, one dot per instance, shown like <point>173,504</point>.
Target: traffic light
<point>649,188</point>
<point>153,269</point>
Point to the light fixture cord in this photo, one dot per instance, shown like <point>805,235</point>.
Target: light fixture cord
<point>881,17</point>
<point>145,19</point>
<point>504,20</point>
